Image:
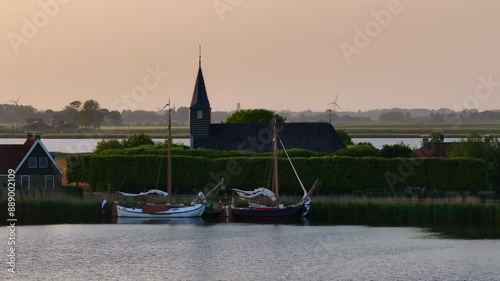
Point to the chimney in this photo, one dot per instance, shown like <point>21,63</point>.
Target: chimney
<point>425,140</point>
<point>30,138</point>
<point>486,139</point>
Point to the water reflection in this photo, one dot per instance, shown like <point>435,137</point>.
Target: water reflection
<point>209,221</point>
<point>442,231</point>
<point>296,221</point>
<point>466,231</point>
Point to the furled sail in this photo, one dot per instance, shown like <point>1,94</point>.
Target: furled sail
<point>152,191</point>
<point>257,192</point>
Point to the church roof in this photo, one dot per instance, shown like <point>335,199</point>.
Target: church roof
<point>320,137</point>
<point>11,155</point>
<point>200,98</point>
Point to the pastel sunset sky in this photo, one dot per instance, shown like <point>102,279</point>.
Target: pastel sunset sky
<point>275,54</point>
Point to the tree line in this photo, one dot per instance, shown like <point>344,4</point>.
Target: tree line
<point>90,114</point>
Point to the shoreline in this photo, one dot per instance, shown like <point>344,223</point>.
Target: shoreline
<point>325,210</point>
<point>184,136</point>
<point>373,129</point>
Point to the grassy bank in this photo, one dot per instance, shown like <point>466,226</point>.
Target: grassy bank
<point>66,206</point>
<point>397,212</point>
<point>104,132</point>
<point>373,129</point>
<point>379,129</point>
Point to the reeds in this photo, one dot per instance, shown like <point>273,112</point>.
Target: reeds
<point>412,212</point>
<point>51,207</point>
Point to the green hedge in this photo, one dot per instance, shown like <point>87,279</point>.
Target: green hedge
<point>337,174</point>
<point>352,151</point>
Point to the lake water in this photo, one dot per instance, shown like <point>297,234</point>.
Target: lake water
<point>73,145</point>
<point>196,250</point>
<point>88,145</point>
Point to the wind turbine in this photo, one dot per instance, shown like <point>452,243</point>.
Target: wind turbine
<point>335,104</point>
<point>15,102</point>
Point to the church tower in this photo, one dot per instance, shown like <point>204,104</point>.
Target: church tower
<point>199,111</point>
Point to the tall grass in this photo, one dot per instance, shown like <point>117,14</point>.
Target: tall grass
<point>43,207</point>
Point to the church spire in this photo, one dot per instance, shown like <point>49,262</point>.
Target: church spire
<point>199,61</point>
<point>199,111</point>
<point>200,97</point>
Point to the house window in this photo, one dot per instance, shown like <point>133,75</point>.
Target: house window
<point>49,182</point>
<point>25,182</point>
<point>32,162</point>
<point>200,114</point>
<point>42,162</point>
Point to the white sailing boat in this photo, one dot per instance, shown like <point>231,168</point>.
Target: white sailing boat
<point>166,210</point>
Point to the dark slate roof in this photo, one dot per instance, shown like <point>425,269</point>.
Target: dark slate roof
<point>11,155</point>
<point>433,149</point>
<point>200,98</point>
<point>320,137</point>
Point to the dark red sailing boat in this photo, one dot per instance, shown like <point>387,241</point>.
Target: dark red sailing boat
<point>273,209</point>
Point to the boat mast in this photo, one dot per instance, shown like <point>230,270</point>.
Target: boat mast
<point>169,153</point>
<point>275,156</point>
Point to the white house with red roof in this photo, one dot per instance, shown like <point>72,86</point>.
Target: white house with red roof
<point>33,165</point>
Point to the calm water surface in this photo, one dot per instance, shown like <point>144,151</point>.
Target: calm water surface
<point>73,145</point>
<point>196,250</point>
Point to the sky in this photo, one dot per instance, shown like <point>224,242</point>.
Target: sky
<point>274,54</point>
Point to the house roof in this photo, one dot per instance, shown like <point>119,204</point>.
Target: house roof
<point>434,149</point>
<point>38,142</point>
<point>14,155</point>
<point>11,155</point>
<point>200,98</point>
<point>320,137</point>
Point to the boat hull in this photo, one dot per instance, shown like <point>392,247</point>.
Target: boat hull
<point>296,211</point>
<point>192,211</point>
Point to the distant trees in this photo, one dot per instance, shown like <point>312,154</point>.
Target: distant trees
<point>345,137</point>
<point>91,114</point>
<point>477,146</point>
<point>70,113</point>
<point>143,117</point>
<point>131,141</point>
<point>114,117</point>
<point>437,137</point>
<point>399,150</point>
<point>182,114</point>
<point>88,114</point>
<point>75,105</point>
<point>254,116</point>
<point>107,144</point>
<point>73,113</point>
<point>137,140</point>
<point>10,113</point>
<point>394,116</point>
